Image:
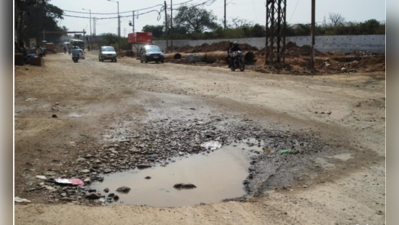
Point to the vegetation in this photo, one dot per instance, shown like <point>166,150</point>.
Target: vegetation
<point>34,16</point>
<point>109,39</point>
<point>192,22</point>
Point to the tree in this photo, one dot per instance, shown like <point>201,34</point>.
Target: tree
<point>336,19</point>
<point>195,19</point>
<point>36,16</point>
<point>258,31</point>
<point>370,26</point>
<point>21,12</point>
<point>237,22</point>
<point>157,30</point>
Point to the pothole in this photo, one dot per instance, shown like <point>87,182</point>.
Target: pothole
<point>215,176</point>
<point>175,152</point>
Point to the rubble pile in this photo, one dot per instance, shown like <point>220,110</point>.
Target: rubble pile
<point>297,61</point>
<point>218,46</point>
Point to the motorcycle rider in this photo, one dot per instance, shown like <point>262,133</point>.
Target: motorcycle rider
<point>233,49</point>
<point>77,51</point>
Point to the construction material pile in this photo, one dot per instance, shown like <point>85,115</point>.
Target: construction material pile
<point>297,61</point>
<point>218,46</point>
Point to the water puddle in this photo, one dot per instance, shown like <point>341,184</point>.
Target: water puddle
<point>217,175</point>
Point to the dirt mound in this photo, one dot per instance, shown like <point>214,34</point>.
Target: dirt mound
<point>218,46</point>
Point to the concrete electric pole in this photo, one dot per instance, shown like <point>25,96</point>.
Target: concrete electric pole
<point>225,22</point>
<point>166,26</point>
<point>119,19</point>
<point>171,24</point>
<point>313,32</point>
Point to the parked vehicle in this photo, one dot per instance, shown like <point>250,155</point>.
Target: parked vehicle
<point>237,61</point>
<point>150,53</point>
<point>107,53</point>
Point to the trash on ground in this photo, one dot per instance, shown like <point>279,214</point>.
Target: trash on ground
<point>41,177</point>
<point>73,181</point>
<point>21,200</point>
<point>30,99</point>
<point>286,151</point>
<point>212,145</point>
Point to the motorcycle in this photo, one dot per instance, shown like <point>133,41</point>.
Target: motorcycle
<point>75,56</point>
<point>237,61</point>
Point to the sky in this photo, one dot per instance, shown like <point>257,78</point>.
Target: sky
<point>298,11</point>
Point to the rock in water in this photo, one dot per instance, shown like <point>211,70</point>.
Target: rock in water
<point>184,186</point>
<point>92,196</point>
<point>123,189</point>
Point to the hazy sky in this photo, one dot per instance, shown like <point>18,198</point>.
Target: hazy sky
<point>298,11</point>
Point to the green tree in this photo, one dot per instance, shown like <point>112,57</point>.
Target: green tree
<point>258,31</point>
<point>195,19</point>
<point>157,30</point>
<point>369,26</point>
<point>34,16</point>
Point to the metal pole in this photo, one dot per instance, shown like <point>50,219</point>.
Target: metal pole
<point>266,32</point>
<point>166,26</point>
<point>91,34</point>
<point>313,32</point>
<point>171,24</point>
<point>278,31</point>
<point>225,23</point>
<point>119,22</point>
<point>94,26</point>
<point>133,22</point>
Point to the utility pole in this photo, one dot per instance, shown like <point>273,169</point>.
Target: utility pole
<point>166,26</point>
<point>171,24</point>
<point>133,21</point>
<point>94,27</point>
<point>119,19</point>
<point>276,17</point>
<point>313,30</point>
<point>90,24</point>
<point>225,23</point>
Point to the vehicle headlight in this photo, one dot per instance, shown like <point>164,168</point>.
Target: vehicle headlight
<point>147,54</point>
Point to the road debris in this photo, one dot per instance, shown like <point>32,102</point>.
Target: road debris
<point>211,145</point>
<point>21,200</point>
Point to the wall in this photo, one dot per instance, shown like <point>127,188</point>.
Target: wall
<point>339,43</point>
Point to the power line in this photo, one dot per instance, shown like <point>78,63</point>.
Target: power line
<point>124,12</point>
<point>106,18</point>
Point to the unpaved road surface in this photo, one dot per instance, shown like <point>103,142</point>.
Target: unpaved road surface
<point>64,111</point>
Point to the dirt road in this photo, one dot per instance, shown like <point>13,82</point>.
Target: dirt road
<point>65,110</point>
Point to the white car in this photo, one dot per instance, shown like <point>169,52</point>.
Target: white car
<point>107,53</point>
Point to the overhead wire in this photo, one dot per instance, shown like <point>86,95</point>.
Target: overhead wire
<point>159,12</point>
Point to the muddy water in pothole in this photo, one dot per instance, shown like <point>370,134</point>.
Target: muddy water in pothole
<point>218,175</point>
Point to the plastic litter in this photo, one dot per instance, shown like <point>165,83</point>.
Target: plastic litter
<point>73,181</point>
<point>212,145</point>
<point>21,200</point>
<point>286,151</point>
<point>41,177</point>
